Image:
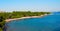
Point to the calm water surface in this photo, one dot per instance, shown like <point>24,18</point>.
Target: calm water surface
<point>46,23</point>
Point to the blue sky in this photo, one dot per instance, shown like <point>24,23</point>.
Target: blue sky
<point>31,5</point>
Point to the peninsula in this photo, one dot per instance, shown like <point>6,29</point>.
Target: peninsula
<point>15,15</point>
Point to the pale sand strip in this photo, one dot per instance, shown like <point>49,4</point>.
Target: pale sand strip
<point>8,20</point>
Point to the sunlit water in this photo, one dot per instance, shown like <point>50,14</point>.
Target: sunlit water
<point>46,23</point>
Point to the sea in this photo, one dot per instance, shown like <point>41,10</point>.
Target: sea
<point>45,23</point>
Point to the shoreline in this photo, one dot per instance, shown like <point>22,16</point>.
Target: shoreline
<point>8,20</point>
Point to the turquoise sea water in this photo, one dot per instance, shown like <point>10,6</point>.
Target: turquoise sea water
<point>46,23</point>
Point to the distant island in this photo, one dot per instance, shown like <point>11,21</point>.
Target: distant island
<point>56,13</point>
<point>18,14</point>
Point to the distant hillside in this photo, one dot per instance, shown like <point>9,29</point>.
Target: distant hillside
<point>1,11</point>
<point>56,13</point>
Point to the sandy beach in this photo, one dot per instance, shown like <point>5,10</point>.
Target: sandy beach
<point>8,20</point>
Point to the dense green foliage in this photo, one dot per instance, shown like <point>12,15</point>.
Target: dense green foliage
<point>17,14</point>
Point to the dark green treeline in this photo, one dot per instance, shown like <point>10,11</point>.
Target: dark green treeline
<point>17,14</point>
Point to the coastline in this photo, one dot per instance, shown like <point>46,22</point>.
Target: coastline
<point>8,20</point>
